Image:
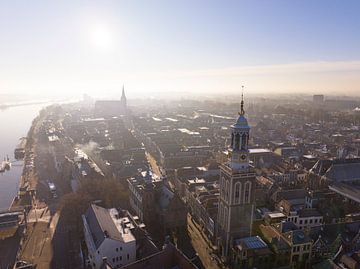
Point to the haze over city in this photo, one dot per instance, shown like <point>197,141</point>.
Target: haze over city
<point>68,48</point>
<point>187,134</point>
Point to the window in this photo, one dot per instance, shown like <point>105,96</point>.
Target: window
<point>306,221</point>
<point>226,191</point>
<point>117,249</point>
<point>316,220</point>
<point>113,260</point>
<point>120,248</point>
<point>237,192</point>
<point>220,213</point>
<point>128,256</point>
<point>237,141</point>
<point>301,221</point>
<point>243,141</point>
<point>225,217</point>
<point>247,189</point>
<point>120,258</point>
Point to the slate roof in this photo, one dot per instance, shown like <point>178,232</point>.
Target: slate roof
<point>344,172</point>
<point>330,232</point>
<point>101,225</point>
<point>339,169</point>
<point>348,190</point>
<point>292,194</point>
<point>309,212</point>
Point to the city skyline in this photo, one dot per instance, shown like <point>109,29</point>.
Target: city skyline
<point>202,47</point>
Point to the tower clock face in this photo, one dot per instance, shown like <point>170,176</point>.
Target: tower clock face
<point>243,157</point>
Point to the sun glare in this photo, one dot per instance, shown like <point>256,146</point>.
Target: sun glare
<point>101,37</point>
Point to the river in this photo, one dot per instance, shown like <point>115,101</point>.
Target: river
<point>15,123</point>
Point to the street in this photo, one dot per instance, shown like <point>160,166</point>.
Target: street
<point>201,246</point>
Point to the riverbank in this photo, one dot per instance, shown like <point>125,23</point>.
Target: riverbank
<point>28,180</point>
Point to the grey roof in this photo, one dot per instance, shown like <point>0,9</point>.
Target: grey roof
<point>344,172</point>
<point>350,191</point>
<point>299,237</point>
<point>287,226</point>
<point>309,212</point>
<point>338,170</point>
<point>241,123</point>
<point>101,224</point>
<point>292,194</point>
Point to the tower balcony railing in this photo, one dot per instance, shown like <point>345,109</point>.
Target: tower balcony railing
<point>249,172</point>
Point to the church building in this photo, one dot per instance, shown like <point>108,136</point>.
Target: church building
<point>111,108</point>
<point>237,184</point>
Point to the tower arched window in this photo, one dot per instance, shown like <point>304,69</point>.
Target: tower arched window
<point>226,191</point>
<point>247,192</point>
<point>232,140</point>
<point>225,217</point>
<point>222,187</point>
<point>220,219</point>
<point>237,193</point>
<point>243,141</point>
<point>237,141</point>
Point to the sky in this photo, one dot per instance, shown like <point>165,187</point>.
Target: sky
<point>73,47</point>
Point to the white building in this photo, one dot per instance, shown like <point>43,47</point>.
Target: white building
<point>306,218</point>
<point>108,236</point>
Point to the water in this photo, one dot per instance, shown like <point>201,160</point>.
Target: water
<point>15,123</point>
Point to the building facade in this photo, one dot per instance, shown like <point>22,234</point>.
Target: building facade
<point>108,238</point>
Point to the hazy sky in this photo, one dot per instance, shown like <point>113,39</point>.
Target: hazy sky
<point>63,47</point>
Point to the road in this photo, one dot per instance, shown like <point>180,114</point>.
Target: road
<point>153,164</point>
<point>201,246</point>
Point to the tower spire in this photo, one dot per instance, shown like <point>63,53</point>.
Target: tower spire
<point>123,97</point>
<point>242,111</point>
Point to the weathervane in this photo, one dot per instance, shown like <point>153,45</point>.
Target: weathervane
<point>242,111</point>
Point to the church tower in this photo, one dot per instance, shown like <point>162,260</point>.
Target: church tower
<point>237,183</point>
<point>123,99</point>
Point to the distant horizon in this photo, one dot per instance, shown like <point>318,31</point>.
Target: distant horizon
<point>173,95</point>
<point>205,47</point>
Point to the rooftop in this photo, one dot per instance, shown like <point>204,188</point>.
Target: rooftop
<point>253,242</point>
<point>349,191</point>
<point>104,223</point>
<point>276,215</point>
<point>254,151</point>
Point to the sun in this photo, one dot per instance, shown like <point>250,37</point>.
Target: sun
<point>101,37</point>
